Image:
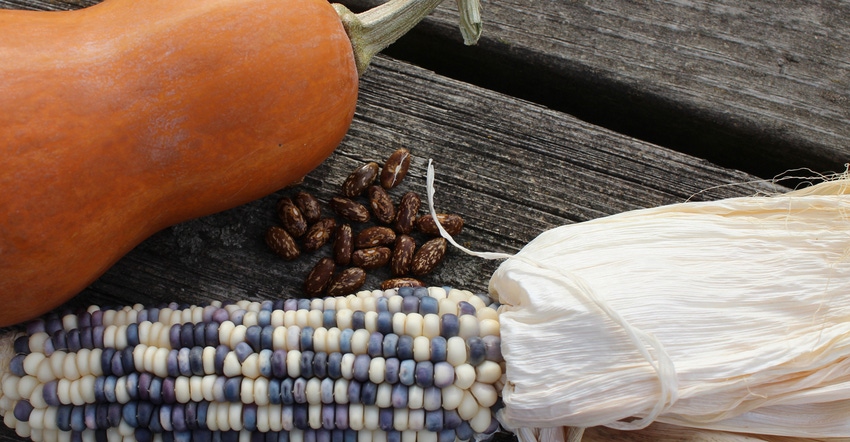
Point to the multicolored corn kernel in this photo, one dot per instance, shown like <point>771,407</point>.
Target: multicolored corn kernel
<point>401,364</point>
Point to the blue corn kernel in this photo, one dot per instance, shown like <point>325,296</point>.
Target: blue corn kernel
<point>129,413</point>
<point>299,391</point>
<point>101,416</point>
<point>394,436</point>
<point>385,419</point>
<point>237,316</point>
<point>405,291</point>
<point>382,305</point>
<point>36,326</point>
<point>265,363</point>
<point>267,337</point>
<point>464,431</point>
<point>144,412</point>
<point>183,363</point>
<point>196,361</point>
<point>22,345</point>
<point>249,417</point>
<point>169,395</point>
<point>144,385</point>
<point>220,315</point>
<point>399,396</point>
<point>109,384</point>
<point>374,347</point>
<point>493,348</point>
<point>48,347</point>
<point>449,325</point>
<point>368,393</point>
<point>142,435</point>
<point>434,420</point>
<point>199,334</point>
<point>410,304</point>
<point>132,383</point>
<point>385,322</point>
<point>327,391</point>
<point>86,340</point>
<point>304,303</point>
<point>335,365</point>
<point>63,417</point>
<point>358,319</point>
<point>253,337</point>
<point>306,364</point>
<point>320,365</point>
<point>200,413</point>
<point>274,391</point>
<point>439,349</point>
<point>218,389</point>
<point>155,390</point>
<point>329,318</point>
<point>277,304</point>
<point>132,335</point>
<point>264,317</point>
<point>183,436</point>
<point>465,308</point>
<point>390,345</point>
<point>174,336</point>
<point>72,339</point>
<point>155,423</point>
<point>361,367</point>
<point>232,387</point>
<point>187,335</point>
<point>97,336</point>
<point>16,365</point>
<point>279,363</point>
<point>22,410</point>
<point>172,365</point>
<point>477,351</point>
<point>420,292</point>
<point>187,413</point>
<point>300,418</point>
<point>341,416</point>
<point>446,436</point>
<point>115,365</point>
<point>50,393</point>
<point>90,416</point>
<point>429,305</point>
<point>424,374</point>
<point>242,351</point>
<point>328,416</point>
<point>53,325</point>
<point>59,342</point>
<point>290,304</point>
<point>113,414</point>
<point>391,368</point>
<point>405,347</point>
<point>354,388</point>
<point>211,338</point>
<point>407,372</point>
<point>307,339</point>
<point>164,419</point>
<point>286,396</point>
<point>345,340</point>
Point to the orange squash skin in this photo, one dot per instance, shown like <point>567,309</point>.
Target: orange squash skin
<point>130,116</point>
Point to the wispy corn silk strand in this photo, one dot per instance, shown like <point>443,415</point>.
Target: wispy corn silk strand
<point>747,300</point>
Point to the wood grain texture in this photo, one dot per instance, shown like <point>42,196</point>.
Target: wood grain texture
<point>511,168</point>
<point>762,86</point>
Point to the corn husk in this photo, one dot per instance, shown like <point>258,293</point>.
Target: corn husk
<point>731,315</point>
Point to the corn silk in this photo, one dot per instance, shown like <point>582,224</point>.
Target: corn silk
<point>730,315</point>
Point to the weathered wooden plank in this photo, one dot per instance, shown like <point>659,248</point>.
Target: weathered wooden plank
<point>511,168</point>
<point>762,86</point>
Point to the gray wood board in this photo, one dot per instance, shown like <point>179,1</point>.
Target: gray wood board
<point>761,86</point>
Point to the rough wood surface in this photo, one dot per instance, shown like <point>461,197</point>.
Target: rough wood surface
<point>762,86</point>
<point>511,168</point>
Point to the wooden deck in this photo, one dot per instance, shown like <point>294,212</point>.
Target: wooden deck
<point>565,112</point>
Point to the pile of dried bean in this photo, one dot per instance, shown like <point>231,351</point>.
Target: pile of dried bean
<point>385,235</point>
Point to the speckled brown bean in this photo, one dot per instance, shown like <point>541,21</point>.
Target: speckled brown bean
<point>309,206</point>
<point>319,277</point>
<point>405,247</point>
<point>350,209</point>
<point>371,258</point>
<point>428,256</point>
<point>395,283</point>
<point>343,245</point>
<point>346,282</point>
<point>408,209</point>
<point>360,179</point>
<point>381,204</point>
<point>319,234</point>
<point>374,236</point>
<point>282,243</point>
<point>395,169</point>
<point>451,222</point>
<point>291,217</point>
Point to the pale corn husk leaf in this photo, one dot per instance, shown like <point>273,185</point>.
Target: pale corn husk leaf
<point>731,315</point>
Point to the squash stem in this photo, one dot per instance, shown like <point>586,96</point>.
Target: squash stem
<point>373,30</point>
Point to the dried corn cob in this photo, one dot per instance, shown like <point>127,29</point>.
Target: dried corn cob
<point>403,364</point>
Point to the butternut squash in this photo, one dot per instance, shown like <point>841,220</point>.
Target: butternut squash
<point>129,116</point>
